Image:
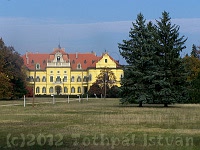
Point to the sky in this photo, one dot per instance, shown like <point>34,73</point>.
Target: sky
<point>88,25</point>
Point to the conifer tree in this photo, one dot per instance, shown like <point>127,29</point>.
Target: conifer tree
<point>155,71</point>
<point>138,52</point>
<point>195,52</point>
<point>171,87</point>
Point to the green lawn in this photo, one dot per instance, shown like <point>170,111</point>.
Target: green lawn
<point>98,124</point>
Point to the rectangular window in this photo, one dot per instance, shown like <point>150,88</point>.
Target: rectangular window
<point>51,78</point>
<point>58,79</point>
<point>106,60</point>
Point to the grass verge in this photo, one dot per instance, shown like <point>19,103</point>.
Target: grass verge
<point>98,124</point>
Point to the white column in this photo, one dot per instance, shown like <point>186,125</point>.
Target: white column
<point>24,101</point>
<point>68,99</point>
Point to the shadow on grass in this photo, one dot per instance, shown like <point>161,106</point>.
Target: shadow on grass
<point>149,106</point>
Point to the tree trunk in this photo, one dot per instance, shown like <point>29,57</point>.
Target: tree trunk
<point>140,104</point>
<point>165,105</point>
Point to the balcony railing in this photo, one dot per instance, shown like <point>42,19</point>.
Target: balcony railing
<point>58,82</point>
<point>56,64</point>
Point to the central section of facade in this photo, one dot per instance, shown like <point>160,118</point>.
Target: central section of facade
<point>61,73</point>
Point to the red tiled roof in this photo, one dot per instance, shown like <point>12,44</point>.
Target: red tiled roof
<point>87,60</point>
<point>117,62</point>
<point>31,58</point>
<point>61,50</point>
<point>56,50</point>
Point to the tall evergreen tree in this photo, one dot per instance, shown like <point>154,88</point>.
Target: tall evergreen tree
<point>195,52</point>
<point>138,51</point>
<point>155,71</point>
<point>171,73</point>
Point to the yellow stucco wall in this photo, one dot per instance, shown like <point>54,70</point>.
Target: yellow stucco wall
<point>91,73</point>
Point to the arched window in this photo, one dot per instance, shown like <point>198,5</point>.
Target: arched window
<point>85,79</point>
<point>58,79</point>
<point>43,79</point>
<point>37,66</point>
<point>65,90</point>
<point>58,58</point>
<point>79,66</point>
<point>51,90</point>
<point>38,90</point>
<point>79,89</point>
<point>43,90</point>
<point>72,90</point>
<point>31,78</point>
<point>72,79</point>
<point>79,79</point>
<point>65,79</point>
<point>38,79</point>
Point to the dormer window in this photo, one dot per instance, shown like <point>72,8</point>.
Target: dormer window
<point>58,58</point>
<point>79,66</point>
<point>85,61</point>
<point>37,66</point>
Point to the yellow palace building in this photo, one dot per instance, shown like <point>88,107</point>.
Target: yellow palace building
<point>63,73</point>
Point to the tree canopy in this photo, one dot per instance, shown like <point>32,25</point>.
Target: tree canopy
<point>155,72</point>
<point>12,75</point>
<point>104,84</point>
<point>192,65</point>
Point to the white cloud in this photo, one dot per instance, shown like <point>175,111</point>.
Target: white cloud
<point>37,34</point>
<point>188,25</point>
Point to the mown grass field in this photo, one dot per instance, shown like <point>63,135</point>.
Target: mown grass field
<point>98,124</point>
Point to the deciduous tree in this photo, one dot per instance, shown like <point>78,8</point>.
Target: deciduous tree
<point>11,68</point>
<point>104,82</point>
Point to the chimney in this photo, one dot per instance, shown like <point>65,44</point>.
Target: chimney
<point>93,53</point>
<point>27,60</point>
<point>76,55</point>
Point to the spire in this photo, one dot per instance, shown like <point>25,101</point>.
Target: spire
<point>59,46</point>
